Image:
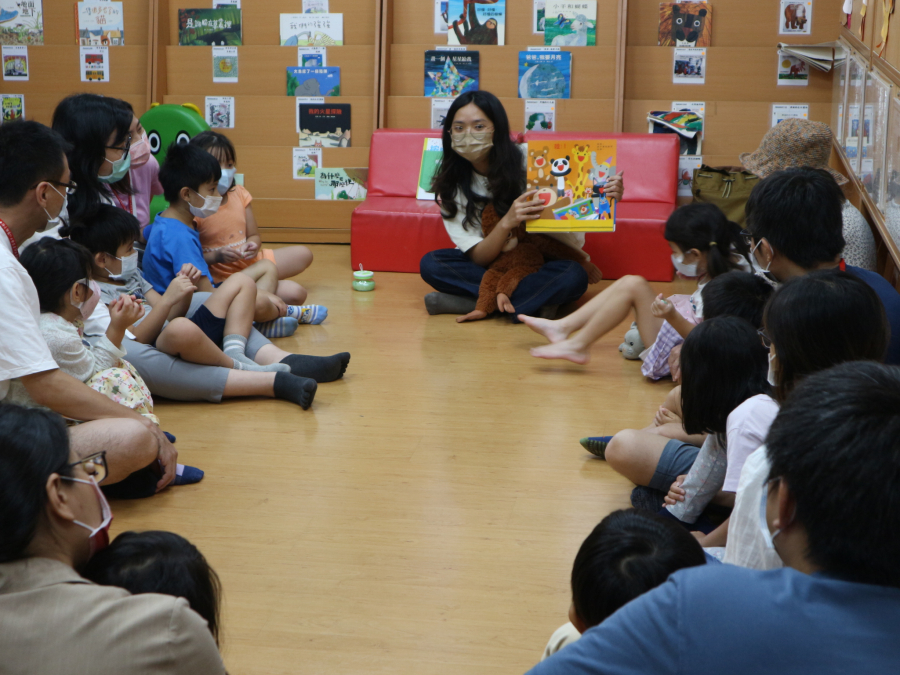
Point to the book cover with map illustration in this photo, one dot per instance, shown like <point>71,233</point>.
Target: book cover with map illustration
<point>313,81</point>
<point>311,30</point>
<point>570,24</point>
<point>21,22</point>
<point>476,22</point>
<point>99,24</point>
<point>210,27</point>
<point>569,177</point>
<point>323,125</point>
<point>545,74</point>
<point>450,73</point>
<point>342,183</point>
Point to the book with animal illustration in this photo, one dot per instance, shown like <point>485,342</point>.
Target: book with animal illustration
<point>323,125</point>
<point>450,73</point>
<point>432,154</point>
<point>570,177</point>
<point>545,74</point>
<point>99,24</point>
<point>313,81</point>
<point>342,183</point>
<point>685,24</point>
<point>21,22</point>
<point>209,27</point>
<point>311,30</point>
<point>570,24</point>
<point>476,22</point>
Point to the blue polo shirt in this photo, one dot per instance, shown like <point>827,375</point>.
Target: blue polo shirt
<point>891,301</point>
<point>728,620</point>
<point>171,244</point>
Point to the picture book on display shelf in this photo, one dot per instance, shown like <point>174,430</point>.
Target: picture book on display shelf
<point>476,22</point>
<point>99,24</point>
<point>450,73</point>
<point>313,81</point>
<point>21,22</point>
<point>568,23</point>
<point>432,154</point>
<point>545,74</point>
<point>311,30</point>
<point>822,56</point>
<point>12,107</point>
<point>685,24</point>
<point>210,27</point>
<point>570,177</point>
<point>15,62</point>
<point>323,125</point>
<point>342,183</point>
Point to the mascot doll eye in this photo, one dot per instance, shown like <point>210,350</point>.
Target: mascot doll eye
<point>183,138</point>
<point>155,143</point>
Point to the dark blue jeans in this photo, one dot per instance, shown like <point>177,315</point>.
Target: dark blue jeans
<point>449,270</point>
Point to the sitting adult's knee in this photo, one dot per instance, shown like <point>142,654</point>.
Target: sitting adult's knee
<point>427,265</point>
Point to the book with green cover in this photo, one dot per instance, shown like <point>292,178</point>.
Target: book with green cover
<point>432,153</point>
<point>210,27</point>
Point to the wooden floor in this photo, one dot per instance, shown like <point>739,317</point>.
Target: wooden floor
<point>424,515</point>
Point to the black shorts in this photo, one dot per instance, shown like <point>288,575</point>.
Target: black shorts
<point>211,325</point>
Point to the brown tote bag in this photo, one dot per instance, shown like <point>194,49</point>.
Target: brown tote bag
<point>728,187</point>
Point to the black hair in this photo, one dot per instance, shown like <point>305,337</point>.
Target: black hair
<point>723,363</point>
<point>821,319</point>
<point>739,294</point>
<point>108,228</point>
<point>159,562</point>
<point>54,266</point>
<point>629,553</point>
<point>705,228</point>
<point>124,185</point>
<point>799,212</point>
<point>218,145</point>
<point>34,444</point>
<point>834,442</point>
<point>506,169</point>
<point>86,122</point>
<point>29,153</point>
<point>187,166</point>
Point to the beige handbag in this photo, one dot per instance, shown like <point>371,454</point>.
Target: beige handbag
<point>728,187</point>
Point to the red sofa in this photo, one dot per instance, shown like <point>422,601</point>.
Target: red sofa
<point>391,230</point>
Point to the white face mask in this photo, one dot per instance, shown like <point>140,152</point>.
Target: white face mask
<point>129,265</point>
<point>688,270</point>
<point>769,537</point>
<point>770,377</point>
<point>760,272</point>
<point>99,536</point>
<point>226,180</point>
<point>57,221</point>
<point>210,206</point>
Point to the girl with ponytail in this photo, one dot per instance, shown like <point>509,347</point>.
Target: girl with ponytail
<point>704,243</point>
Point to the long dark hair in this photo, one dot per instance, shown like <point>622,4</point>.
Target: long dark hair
<point>705,228</point>
<point>820,320</point>
<point>723,363</point>
<point>506,167</point>
<point>87,121</point>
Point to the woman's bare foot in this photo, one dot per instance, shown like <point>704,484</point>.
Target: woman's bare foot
<point>475,315</point>
<point>549,329</point>
<point>504,304</point>
<point>563,350</point>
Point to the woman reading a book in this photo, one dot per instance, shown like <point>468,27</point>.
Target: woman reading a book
<point>482,165</point>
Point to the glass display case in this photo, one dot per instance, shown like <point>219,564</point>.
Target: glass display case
<point>890,203</point>
<point>839,98</point>
<point>853,111</point>
<point>872,136</point>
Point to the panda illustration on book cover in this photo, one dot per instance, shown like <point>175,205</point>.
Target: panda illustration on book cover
<point>685,24</point>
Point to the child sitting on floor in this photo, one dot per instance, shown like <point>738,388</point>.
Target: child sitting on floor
<point>626,555</point>
<point>216,333</point>
<point>61,272</point>
<point>231,242</point>
<point>704,243</point>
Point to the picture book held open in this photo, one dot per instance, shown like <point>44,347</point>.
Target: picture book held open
<point>570,177</point>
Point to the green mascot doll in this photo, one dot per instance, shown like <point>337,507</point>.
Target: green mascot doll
<point>166,124</point>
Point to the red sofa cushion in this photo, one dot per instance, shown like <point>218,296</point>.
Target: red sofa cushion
<point>391,234</point>
<point>395,158</point>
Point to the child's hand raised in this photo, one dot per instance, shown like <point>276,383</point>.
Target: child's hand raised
<point>662,308</point>
<point>191,272</point>
<point>676,492</point>
<point>179,289</point>
<point>124,311</point>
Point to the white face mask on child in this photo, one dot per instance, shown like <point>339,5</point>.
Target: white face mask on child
<point>226,180</point>
<point>685,269</point>
<point>210,206</point>
<point>770,377</point>
<point>768,537</point>
<point>129,265</point>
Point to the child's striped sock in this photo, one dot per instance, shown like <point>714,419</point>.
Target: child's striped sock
<point>284,326</point>
<point>235,346</point>
<point>311,314</point>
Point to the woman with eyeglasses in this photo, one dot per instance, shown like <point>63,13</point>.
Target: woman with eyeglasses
<point>482,166</point>
<point>53,518</point>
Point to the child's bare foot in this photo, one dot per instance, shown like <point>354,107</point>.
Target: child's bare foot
<point>475,315</point>
<point>549,329</point>
<point>504,304</point>
<point>563,350</point>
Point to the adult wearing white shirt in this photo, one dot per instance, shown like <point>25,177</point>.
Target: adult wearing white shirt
<point>34,180</point>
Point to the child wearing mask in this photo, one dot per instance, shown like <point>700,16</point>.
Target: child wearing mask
<point>704,243</point>
<point>231,242</point>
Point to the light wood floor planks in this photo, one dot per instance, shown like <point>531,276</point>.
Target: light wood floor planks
<point>424,515</point>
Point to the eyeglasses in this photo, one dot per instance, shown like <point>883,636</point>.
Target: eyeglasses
<point>125,149</point>
<point>70,187</point>
<point>457,131</point>
<point>747,236</point>
<point>94,465</point>
<point>766,340</point>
